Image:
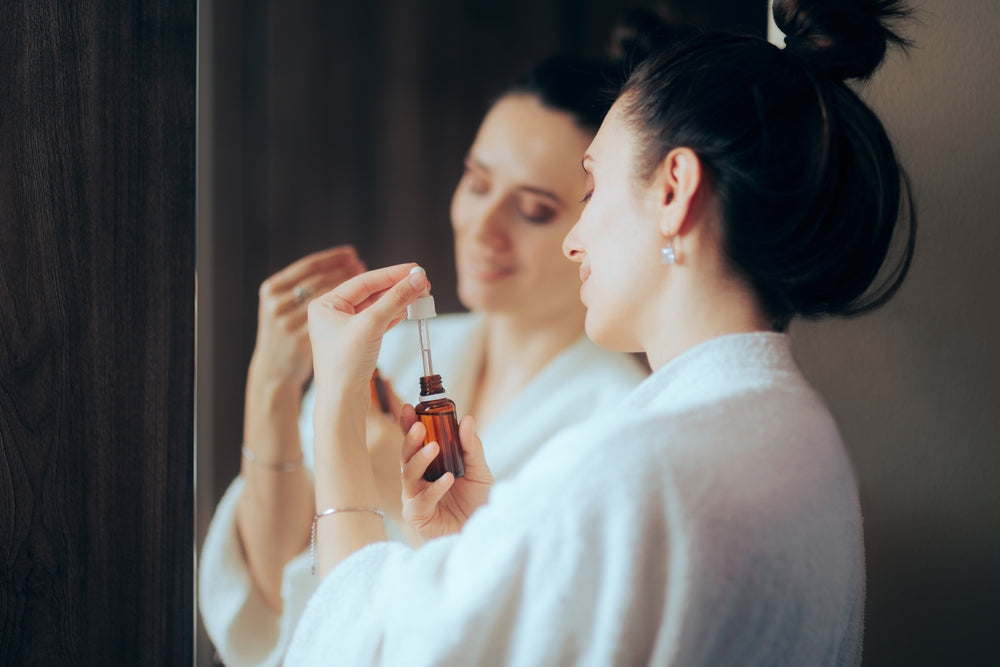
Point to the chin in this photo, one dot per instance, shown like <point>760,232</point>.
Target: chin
<point>606,336</point>
<point>482,298</point>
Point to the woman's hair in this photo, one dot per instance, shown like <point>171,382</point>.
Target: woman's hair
<point>807,181</point>
<point>585,88</point>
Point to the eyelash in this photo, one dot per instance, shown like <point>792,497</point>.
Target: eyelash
<point>586,197</point>
<point>538,219</point>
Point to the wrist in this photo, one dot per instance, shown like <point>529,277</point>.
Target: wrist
<point>273,395</point>
<point>262,375</point>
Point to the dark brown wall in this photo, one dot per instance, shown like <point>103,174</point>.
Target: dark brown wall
<point>97,164</point>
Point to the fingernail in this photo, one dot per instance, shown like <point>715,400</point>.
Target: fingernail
<point>418,277</point>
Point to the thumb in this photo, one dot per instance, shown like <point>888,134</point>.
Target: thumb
<point>391,305</point>
<point>472,446</point>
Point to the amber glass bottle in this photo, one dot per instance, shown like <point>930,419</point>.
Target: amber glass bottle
<point>437,413</point>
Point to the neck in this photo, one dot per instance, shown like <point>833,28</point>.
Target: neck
<point>706,311</point>
<point>516,350</point>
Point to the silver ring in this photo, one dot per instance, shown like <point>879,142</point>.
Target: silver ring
<point>301,294</point>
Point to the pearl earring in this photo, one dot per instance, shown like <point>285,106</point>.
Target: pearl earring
<point>667,254</point>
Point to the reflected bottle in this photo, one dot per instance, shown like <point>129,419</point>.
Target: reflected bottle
<point>437,413</point>
<point>379,395</point>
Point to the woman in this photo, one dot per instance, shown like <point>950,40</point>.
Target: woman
<point>520,362</point>
<point>713,517</point>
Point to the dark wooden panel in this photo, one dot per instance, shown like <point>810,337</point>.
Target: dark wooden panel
<point>96,332</point>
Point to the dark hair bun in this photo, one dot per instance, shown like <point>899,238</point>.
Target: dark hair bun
<point>846,39</point>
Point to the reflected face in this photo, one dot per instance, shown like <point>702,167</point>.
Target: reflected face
<point>519,195</point>
<point>616,241</point>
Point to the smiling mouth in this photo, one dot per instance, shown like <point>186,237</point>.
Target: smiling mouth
<point>488,271</point>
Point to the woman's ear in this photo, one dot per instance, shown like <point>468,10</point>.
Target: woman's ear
<point>679,178</point>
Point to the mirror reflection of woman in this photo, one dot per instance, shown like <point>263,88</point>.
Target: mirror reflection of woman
<point>519,362</point>
<point>712,518</point>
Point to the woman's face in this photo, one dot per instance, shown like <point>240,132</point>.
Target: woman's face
<point>617,241</point>
<point>519,195</point>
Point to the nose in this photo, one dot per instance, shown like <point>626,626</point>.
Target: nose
<point>487,223</point>
<point>571,245</point>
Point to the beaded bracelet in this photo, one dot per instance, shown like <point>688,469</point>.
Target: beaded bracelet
<point>277,467</point>
<point>328,512</point>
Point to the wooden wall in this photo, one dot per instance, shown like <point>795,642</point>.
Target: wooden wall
<point>97,233</point>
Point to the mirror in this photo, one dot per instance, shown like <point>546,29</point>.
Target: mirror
<point>325,123</point>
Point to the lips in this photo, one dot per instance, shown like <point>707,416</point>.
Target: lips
<point>584,273</point>
<point>487,270</point>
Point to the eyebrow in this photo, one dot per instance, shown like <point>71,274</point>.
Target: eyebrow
<point>541,192</point>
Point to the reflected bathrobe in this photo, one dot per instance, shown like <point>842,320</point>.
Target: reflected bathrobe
<point>578,382</point>
<point>713,519</point>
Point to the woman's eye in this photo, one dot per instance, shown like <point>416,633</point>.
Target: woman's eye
<point>475,183</point>
<point>539,215</point>
<point>586,197</point>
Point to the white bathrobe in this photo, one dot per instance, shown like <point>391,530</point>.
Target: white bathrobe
<point>581,380</point>
<point>713,519</point>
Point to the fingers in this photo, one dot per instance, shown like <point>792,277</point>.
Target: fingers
<point>382,294</point>
<point>286,292</point>
<point>407,417</point>
<point>413,442</point>
<point>329,260</point>
<point>418,510</point>
<point>472,445</point>
<point>473,456</point>
<point>360,288</point>
<point>415,457</point>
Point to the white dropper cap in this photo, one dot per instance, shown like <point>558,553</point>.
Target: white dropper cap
<point>422,308</point>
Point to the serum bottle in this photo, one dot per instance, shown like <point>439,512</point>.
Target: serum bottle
<point>435,410</point>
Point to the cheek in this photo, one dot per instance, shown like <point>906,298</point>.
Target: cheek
<point>545,252</point>
<point>608,309</point>
<point>460,210</point>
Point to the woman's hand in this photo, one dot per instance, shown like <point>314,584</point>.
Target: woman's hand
<point>441,507</point>
<point>276,506</point>
<point>281,352</point>
<point>346,325</point>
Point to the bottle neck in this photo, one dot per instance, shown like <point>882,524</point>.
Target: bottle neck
<point>431,387</point>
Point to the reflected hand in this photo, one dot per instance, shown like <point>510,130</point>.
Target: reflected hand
<point>441,507</point>
<point>282,352</point>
